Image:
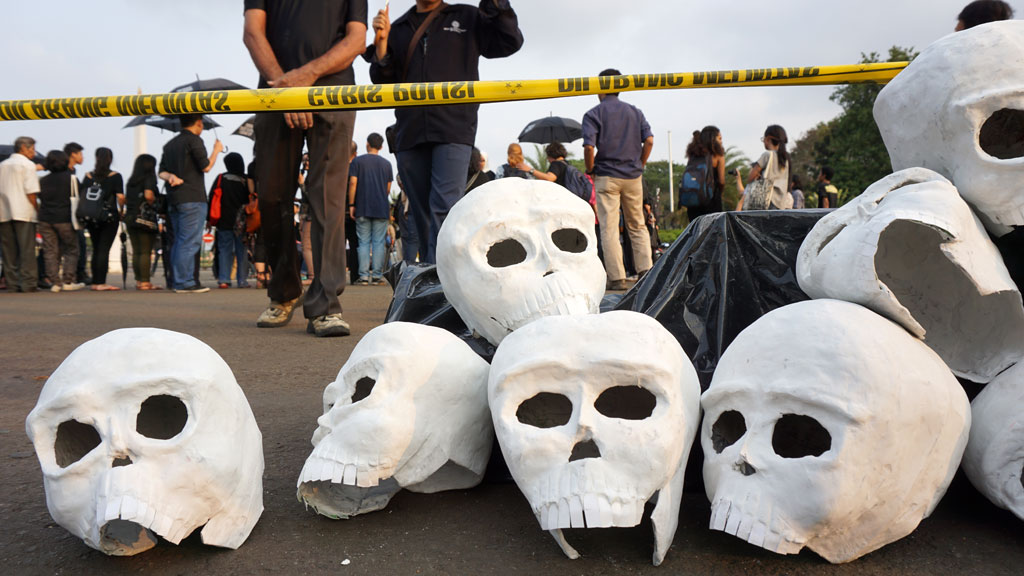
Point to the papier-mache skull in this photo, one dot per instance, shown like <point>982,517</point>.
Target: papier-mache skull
<point>958,109</point>
<point>595,415</point>
<point>408,410</point>
<point>994,460</point>
<point>515,250</point>
<point>830,427</point>
<point>144,432</point>
<point>910,249</point>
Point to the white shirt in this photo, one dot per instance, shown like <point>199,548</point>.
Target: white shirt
<point>18,179</point>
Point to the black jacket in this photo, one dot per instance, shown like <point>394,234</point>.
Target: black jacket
<point>449,51</point>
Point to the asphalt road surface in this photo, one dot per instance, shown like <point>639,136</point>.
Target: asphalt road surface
<point>486,530</point>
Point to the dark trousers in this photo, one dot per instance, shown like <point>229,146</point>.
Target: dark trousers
<point>82,253</point>
<point>352,256</point>
<point>278,151</point>
<point>434,176</point>
<point>102,239</point>
<point>142,250</point>
<point>19,245</point>
<point>60,242</point>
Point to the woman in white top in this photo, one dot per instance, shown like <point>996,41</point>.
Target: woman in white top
<point>774,163</point>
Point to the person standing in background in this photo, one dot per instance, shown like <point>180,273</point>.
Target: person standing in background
<point>332,36</point>
<point>368,190</point>
<point>19,191</point>
<point>982,11</point>
<point>103,233</point>
<point>76,157</point>
<point>828,194</point>
<point>230,246</point>
<point>141,189</point>
<point>59,239</point>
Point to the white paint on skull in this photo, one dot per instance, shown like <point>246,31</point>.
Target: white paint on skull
<point>144,432</point>
<point>910,249</point>
<point>828,426</point>
<point>407,410</point>
<point>956,109</point>
<point>515,250</point>
<point>595,414</point>
<point>994,460</point>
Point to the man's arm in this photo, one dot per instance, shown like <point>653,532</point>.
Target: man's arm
<point>255,39</point>
<point>646,152</point>
<point>217,147</point>
<point>498,33</point>
<point>171,179</point>
<point>338,58</point>
<point>352,181</point>
<point>588,158</point>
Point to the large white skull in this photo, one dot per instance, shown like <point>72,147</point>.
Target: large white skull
<point>828,426</point>
<point>515,250</point>
<point>994,460</point>
<point>958,109</point>
<point>145,431</point>
<point>408,410</point>
<point>910,249</point>
<point>595,414</point>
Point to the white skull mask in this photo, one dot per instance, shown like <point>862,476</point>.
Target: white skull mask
<point>958,109</point>
<point>515,250</point>
<point>910,249</point>
<point>408,410</point>
<point>145,431</point>
<point>995,453</point>
<point>595,414</point>
<point>828,426</point>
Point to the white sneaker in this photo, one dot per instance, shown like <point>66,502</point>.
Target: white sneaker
<point>55,288</point>
<point>71,287</point>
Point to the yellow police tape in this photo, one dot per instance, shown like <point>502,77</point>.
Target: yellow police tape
<point>373,96</point>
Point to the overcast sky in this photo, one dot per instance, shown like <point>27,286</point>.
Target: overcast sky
<point>64,48</point>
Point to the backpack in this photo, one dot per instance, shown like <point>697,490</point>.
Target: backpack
<point>697,185</point>
<point>215,198</point>
<point>577,182</point>
<point>92,207</point>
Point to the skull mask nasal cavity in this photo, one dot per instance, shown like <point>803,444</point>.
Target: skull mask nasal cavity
<point>584,450</point>
<point>74,441</point>
<point>161,417</point>
<point>1002,135</point>
<point>506,253</point>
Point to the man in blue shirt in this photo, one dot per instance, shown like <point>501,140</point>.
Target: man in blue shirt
<point>623,140</point>
<point>369,185</point>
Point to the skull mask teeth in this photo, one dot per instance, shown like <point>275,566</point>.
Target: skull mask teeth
<point>957,109</point>
<point>408,410</point>
<point>515,250</point>
<point>144,432</point>
<point>910,249</point>
<point>595,414</point>
<point>799,430</point>
<point>995,453</point>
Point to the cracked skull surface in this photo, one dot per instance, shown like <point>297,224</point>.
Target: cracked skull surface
<point>994,460</point>
<point>515,250</point>
<point>407,410</point>
<point>958,109</point>
<point>910,249</point>
<point>595,415</point>
<point>830,427</point>
<point>144,432</point>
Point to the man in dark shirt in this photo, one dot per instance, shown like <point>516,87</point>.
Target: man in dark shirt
<point>433,143</point>
<point>828,194</point>
<point>182,166</point>
<point>304,43</point>
<point>624,141</point>
<point>369,185</point>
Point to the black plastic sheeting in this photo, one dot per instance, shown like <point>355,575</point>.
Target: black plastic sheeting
<point>723,273</point>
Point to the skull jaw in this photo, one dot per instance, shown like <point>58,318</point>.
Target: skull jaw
<point>125,538</point>
<point>342,501</point>
<point>731,519</point>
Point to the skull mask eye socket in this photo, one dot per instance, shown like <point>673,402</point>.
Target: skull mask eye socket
<point>569,240</point>
<point>545,410</point>
<point>1002,135</point>
<point>74,441</point>
<point>626,403</point>
<point>508,252</point>
<point>797,436</point>
<point>161,417</point>
<point>729,428</point>
<point>363,388</point>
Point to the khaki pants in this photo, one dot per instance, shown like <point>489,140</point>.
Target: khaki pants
<point>629,193</point>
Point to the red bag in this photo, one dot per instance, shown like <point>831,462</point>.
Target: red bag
<point>215,197</point>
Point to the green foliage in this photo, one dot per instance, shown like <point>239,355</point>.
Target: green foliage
<point>669,235</point>
<point>850,142</point>
<point>539,162</point>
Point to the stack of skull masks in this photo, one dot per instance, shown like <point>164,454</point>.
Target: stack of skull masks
<point>144,432</point>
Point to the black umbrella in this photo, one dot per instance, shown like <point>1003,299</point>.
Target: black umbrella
<point>551,129</point>
<point>247,128</point>
<point>7,149</point>
<point>209,84</point>
<point>171,123</point>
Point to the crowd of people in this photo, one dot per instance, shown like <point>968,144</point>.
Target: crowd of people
<point>350,221</point>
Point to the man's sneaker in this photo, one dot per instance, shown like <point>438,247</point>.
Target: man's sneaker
<point>72,287</point>
<point>379,282</point>
<point>330,325</point>
<point>197,289</point>
<point>363,282</point>
<point>617,285</point>
<point>55,288</point>
<point>278,314</point>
